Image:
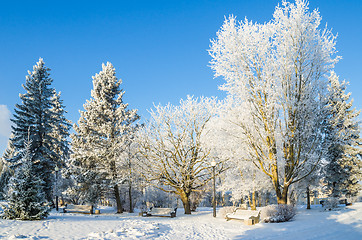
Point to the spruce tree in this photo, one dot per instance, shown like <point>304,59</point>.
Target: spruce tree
<point>5,170</point>
<point>10,150</point>
<point>343,169</point>
<point>33,120</point>
<point>60,130</point>
<point>5,175</point>
<point>101,134</point>
<point>26,197</point>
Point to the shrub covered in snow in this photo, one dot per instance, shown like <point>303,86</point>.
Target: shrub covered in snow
<point>278,213</point>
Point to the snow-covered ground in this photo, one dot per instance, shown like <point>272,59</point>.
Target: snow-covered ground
<point>312,224</point>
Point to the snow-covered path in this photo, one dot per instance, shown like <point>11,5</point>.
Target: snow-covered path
<point>312,224</point>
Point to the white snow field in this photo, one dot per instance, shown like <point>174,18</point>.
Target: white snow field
<point>345,223</point>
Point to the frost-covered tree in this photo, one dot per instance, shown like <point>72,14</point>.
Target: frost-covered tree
<point>343,169</point>
<point>33,120</point>
<point>306,186</point>
<point>5,171</point>
<point>26,196</point>
<point>86,185</point>
<point>130,170</point>
<point>10,150</point>
<point>242,179</point>
<point>174,159</point>
<point>60,130</point>
<point>102,130</point>
<point>5,175</point>
<point>275,73</point>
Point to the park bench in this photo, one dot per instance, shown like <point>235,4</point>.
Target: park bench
<point>70,208</point>
<point>161,212</point>
<point>250,217</point>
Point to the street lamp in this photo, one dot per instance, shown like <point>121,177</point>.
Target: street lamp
<point>213,165</point>
<point>56,187</point>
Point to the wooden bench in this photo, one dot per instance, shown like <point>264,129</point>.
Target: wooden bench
<point>161,212</point>
<point>70,208</point>
<point>250,217</point>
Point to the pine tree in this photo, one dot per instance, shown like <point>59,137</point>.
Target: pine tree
<point>343,169</point>
<point>26,197</point>
<point>33,120</point>
<point>102,130</point>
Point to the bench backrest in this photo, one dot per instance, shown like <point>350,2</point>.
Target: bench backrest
<point>80,207</point>
<point>243,206</point>
<point>246,213</point>
<point>163,211</point>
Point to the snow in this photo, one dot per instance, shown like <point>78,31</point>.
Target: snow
<point>345,223</point>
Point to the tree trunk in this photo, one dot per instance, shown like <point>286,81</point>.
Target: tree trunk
<point>282,197</point>
<point>308,198</point>
<point>118,199</point>
<point>275,181</point>
<point>130,197</point>
<point>185,198</point>
<point>266,202</point>
<point>252,201</point>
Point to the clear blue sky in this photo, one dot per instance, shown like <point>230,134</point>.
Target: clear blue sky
<point>159,48</point>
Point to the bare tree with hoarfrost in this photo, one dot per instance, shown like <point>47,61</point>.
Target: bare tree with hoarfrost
<point>174,158</point>
<point>102,132</point>
<point>275,74</point>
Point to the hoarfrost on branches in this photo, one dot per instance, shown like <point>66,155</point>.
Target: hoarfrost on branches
<point>275,75</point>
<point>172,149</point>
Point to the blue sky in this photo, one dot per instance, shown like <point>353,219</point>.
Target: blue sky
<point>159,48</point>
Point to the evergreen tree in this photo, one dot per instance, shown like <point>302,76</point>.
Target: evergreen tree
<point>5,171</point>
<point>343,169</point>
<point>102,130</point>
<point>86,184</point>
<point>60,130</point>
<point>10,150</point>
<point>26,197</point>
<point>5,175</point>
<point>33,120</point>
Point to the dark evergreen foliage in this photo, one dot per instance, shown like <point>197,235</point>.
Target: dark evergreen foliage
<point>26,196</point>
<point>343,169</point>
<point>40,119</point>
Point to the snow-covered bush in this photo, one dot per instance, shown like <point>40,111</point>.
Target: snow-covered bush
<point>225,210</point>
<point>330,204</point>
<point>277,213</point>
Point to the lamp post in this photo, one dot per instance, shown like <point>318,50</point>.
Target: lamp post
<point>213,165</point>
<point>56,187</point>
